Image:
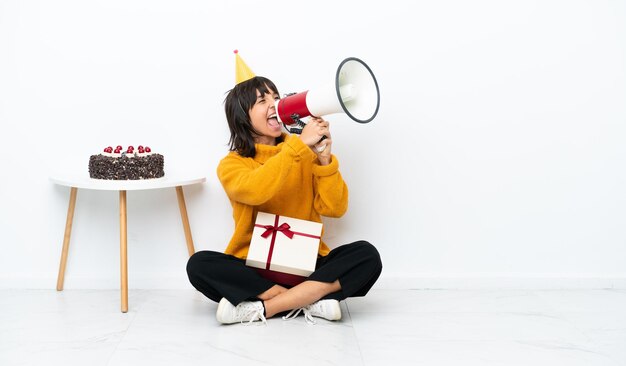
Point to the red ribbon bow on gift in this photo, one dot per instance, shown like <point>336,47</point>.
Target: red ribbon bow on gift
<point>283,228</point>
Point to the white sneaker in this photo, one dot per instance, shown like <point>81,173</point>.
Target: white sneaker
<point>246,311</point>
<point>327,309</point>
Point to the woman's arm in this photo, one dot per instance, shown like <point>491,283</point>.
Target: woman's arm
<point>331,192</point>
<point>256,185</point>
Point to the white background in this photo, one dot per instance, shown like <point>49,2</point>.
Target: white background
<point>497,158</point>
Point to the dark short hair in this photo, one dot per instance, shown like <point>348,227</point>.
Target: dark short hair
<point>237,105</point>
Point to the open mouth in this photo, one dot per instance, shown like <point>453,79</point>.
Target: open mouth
<point>272,121</point>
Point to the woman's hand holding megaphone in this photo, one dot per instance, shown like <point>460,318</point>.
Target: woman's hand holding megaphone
<point>312,134</point>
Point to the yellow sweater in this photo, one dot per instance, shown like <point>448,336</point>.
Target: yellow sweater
<point>285,180</point>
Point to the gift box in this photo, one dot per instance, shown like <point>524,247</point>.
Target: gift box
<point>284,249</point>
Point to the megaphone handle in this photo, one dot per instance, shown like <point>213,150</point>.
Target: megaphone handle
<point>298,122</point>
<point>298,131</point>
<point>296,119</point>
<point>321,148</point>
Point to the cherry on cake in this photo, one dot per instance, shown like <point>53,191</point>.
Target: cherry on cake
<point>126,164</point>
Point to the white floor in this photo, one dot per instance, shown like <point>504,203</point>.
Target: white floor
<point>413,327</point>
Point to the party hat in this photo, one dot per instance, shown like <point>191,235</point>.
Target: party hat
<point>242,71</point>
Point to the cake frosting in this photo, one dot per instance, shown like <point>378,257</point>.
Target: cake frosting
<point>128,165</point>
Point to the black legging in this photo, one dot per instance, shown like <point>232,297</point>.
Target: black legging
<point>217,275</point>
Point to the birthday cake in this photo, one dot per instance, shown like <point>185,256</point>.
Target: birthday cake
<point>129,165</point>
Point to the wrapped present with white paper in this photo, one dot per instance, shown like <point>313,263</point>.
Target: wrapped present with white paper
<point>284,249</point>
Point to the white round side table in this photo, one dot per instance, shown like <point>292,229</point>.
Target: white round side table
<point>82,181</point>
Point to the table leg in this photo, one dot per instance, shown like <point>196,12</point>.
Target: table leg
<point>123,252</point>
<point>66,238</point>
<point>185,218</point>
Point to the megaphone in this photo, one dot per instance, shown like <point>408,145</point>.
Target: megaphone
<point>354,92</point>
